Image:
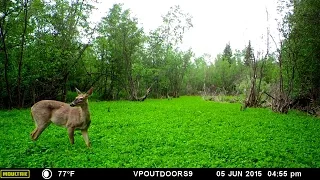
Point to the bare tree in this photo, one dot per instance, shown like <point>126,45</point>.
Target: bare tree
<point>254,97</point>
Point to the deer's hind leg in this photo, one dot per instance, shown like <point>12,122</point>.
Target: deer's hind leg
<point>33,133</point>
<point>38,130</point>
<point>41,124</point>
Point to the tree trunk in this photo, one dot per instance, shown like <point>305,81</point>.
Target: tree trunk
<point>6,65</point>
<point>65,90</point>
<point>25,9</point>
<point>281,102</point>
<point>33,91</point>
<point>251,100</point>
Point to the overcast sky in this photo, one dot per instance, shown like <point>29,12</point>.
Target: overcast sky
<point>215,22</point>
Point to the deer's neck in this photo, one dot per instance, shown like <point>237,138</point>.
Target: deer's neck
<point>85,110</point>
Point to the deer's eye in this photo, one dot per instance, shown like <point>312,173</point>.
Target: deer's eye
<point>80,99</point>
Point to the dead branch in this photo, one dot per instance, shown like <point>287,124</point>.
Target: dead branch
<point>146,95</point>
<point>269,95</point>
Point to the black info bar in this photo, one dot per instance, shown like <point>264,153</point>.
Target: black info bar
<point>160,173</point>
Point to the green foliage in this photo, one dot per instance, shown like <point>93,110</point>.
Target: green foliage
<point>301,48</point>
<point>270,70</point>
<point>184,132</point>
<point>249,55</point>
<point>117,47</point>
<point>225,75</point>
<point>169,62</point>
<point>270,73</point>
<point>244,86</point>
<point>227,53</point>
<point>62,50</point>
<point>196,76</point>
<point>52,48</point>
<point>71,95</point>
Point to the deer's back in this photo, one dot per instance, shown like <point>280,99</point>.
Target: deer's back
<point>49,105</point>
<point>47,110</point>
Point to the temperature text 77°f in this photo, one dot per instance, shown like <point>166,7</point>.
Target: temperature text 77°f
<point>66,173</point>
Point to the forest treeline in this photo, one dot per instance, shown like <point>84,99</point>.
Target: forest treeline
<point>50,47</point>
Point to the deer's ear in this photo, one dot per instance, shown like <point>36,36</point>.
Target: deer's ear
<point>89,92</point>
<point>78,91</point>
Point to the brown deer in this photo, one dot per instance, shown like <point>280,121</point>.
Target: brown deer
<point>73,116</point>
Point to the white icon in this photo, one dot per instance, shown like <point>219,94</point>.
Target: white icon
<point>46,174</point>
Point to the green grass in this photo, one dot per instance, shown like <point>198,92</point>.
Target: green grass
<point>184,132</point>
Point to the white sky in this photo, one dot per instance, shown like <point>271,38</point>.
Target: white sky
<point>215,22</point>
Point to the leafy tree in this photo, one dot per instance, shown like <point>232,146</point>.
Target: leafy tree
<point>227,53</point>
<point>302,46</point>
<point>42,45</point>
<point>248,58</point>
<point>175,24</point>
<point>119,40</point>
<point>299,60</point>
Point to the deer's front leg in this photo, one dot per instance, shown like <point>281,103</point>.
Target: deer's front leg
<point>86,137</point>
<point>71,134</point>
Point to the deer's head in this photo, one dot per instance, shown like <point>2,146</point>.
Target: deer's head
<point>82,98</point>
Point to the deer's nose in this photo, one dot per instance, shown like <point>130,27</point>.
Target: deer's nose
<point>72,104</point>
